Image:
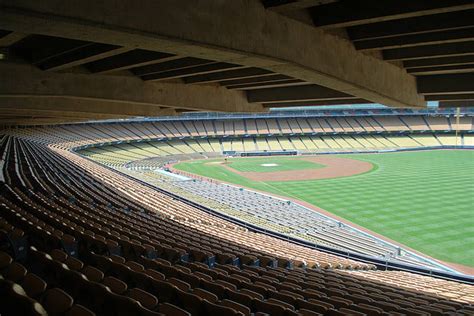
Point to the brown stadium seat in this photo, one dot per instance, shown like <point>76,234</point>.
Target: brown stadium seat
<point>245,310</point>
<point>386,306</point>
<point>284,263</point>
<point>191,302</point>
<point>367,309</point>
<point>349,311</point>
<point>74,264</point>
<point>165,290</point>
<point>214,287</point>
<point>253,294</point>
<point>431,309</point>
<point>169,271</point>
<point>141,280</point>
<point>403,303</point>
<point>94,294</point>
<point>241,297</point>
<point>33,285</point>
<point>121,271</point>
<point>16,302</point>
<point>155,274</point>
<point>335,292</point>
<point>307,312</point>
<point>248,259</point>
<point>5,260</point>
<point>225,258</point>
<point>311,293</point>
<point>93,274</point>
<point>226,285</point>
<point>414,312</point>
<point>148,300</point>
<point>253,269</point>
<point>121,305</point>
<point>281,303</point>
<point>199,255</point>
<point>264,284</point>
<point>322,302</point>
<point>69,244</point>
<point>205,295</point>
<point>320,308</point>
<point>270,308</point>
<point>180,284</point>
<point>79,310</point>
<point>358,298</point>
<point>72,282</point>
<point>117,259</point>
<point>297,294</point>
<point>116,286</point>
<point>212,309</point>
<point>135,266</point>
<point>182,268</point>
<point>255,288</point>
<point>56,301</point>
<point>443,307</point>
<point>169,309</point>
<point>221,271</point>
<point>189,277</point>
<point>15,272</point>
<point>203,276</point>
<point>287,297</point>
<point>58,255</point>
<point>338,302</point>
<point>289,286</point>
<point>266,261</point>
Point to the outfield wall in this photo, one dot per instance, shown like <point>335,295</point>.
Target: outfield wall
<point>293,153</point>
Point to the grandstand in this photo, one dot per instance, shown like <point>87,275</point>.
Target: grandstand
<point>277,216</point>
<point>239,157</point>
<point>312,133</point>
<point>172,246</point>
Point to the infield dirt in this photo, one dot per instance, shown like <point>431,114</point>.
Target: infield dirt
<point>334,168</point>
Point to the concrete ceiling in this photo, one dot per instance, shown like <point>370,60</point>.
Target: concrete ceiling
<point>431,40</point>
<point>73,61</point>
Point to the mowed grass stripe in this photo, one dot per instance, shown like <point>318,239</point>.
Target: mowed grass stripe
<point>424,200</point>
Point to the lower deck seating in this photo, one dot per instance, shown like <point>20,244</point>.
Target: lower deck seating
<point>274,214</point>
<point>79,239</point>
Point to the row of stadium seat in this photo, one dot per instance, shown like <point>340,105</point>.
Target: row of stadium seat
<point>94,215</point>
<point>274,214</point>
<point>120,154</point>
<point>78,135</point>
<point>113,285</point>
<point>102,283</point>
<point>28,194</point>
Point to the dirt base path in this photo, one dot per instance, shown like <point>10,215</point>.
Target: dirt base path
<point>334,167</point>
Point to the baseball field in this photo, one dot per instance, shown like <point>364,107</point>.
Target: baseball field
<point>424,200</point>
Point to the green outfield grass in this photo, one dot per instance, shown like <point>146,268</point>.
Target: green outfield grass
<point>424,200</point>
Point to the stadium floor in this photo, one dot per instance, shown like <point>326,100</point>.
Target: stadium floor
<point>424,199</point>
